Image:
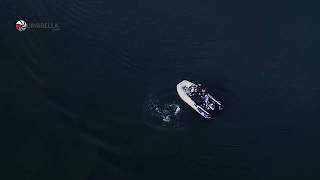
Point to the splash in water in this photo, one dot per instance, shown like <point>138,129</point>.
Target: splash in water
<point>162,114</point>
<point>166,112</point>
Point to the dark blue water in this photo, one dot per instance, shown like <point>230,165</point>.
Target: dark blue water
<point>89,101</point>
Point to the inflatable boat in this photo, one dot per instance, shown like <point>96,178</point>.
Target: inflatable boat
<point>198,99</point>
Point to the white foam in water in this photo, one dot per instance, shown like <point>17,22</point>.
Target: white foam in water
<point>167,118</point>
<point>164,113</point>
<point>178,109</point>
<point>169,112</point>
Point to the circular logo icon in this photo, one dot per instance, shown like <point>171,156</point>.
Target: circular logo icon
<point>21,25</point>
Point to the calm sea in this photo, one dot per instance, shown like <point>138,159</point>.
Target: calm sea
<point>96,99</point>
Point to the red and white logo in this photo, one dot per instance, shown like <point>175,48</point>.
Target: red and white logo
<point>21,25</point>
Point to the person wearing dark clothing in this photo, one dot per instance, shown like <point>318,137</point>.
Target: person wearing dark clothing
<point>199,87</point>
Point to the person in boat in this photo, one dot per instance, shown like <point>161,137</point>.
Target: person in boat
<point>205,101</point>
<point>206,98</point>
<point>199,87</point>
<point>196,90</point>
<point>193,90</point>
<point>199,97</point>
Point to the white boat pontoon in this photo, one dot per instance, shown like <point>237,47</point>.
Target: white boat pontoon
<point>198,99</point>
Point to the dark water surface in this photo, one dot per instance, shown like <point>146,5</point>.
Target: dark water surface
<point>88,101</point>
